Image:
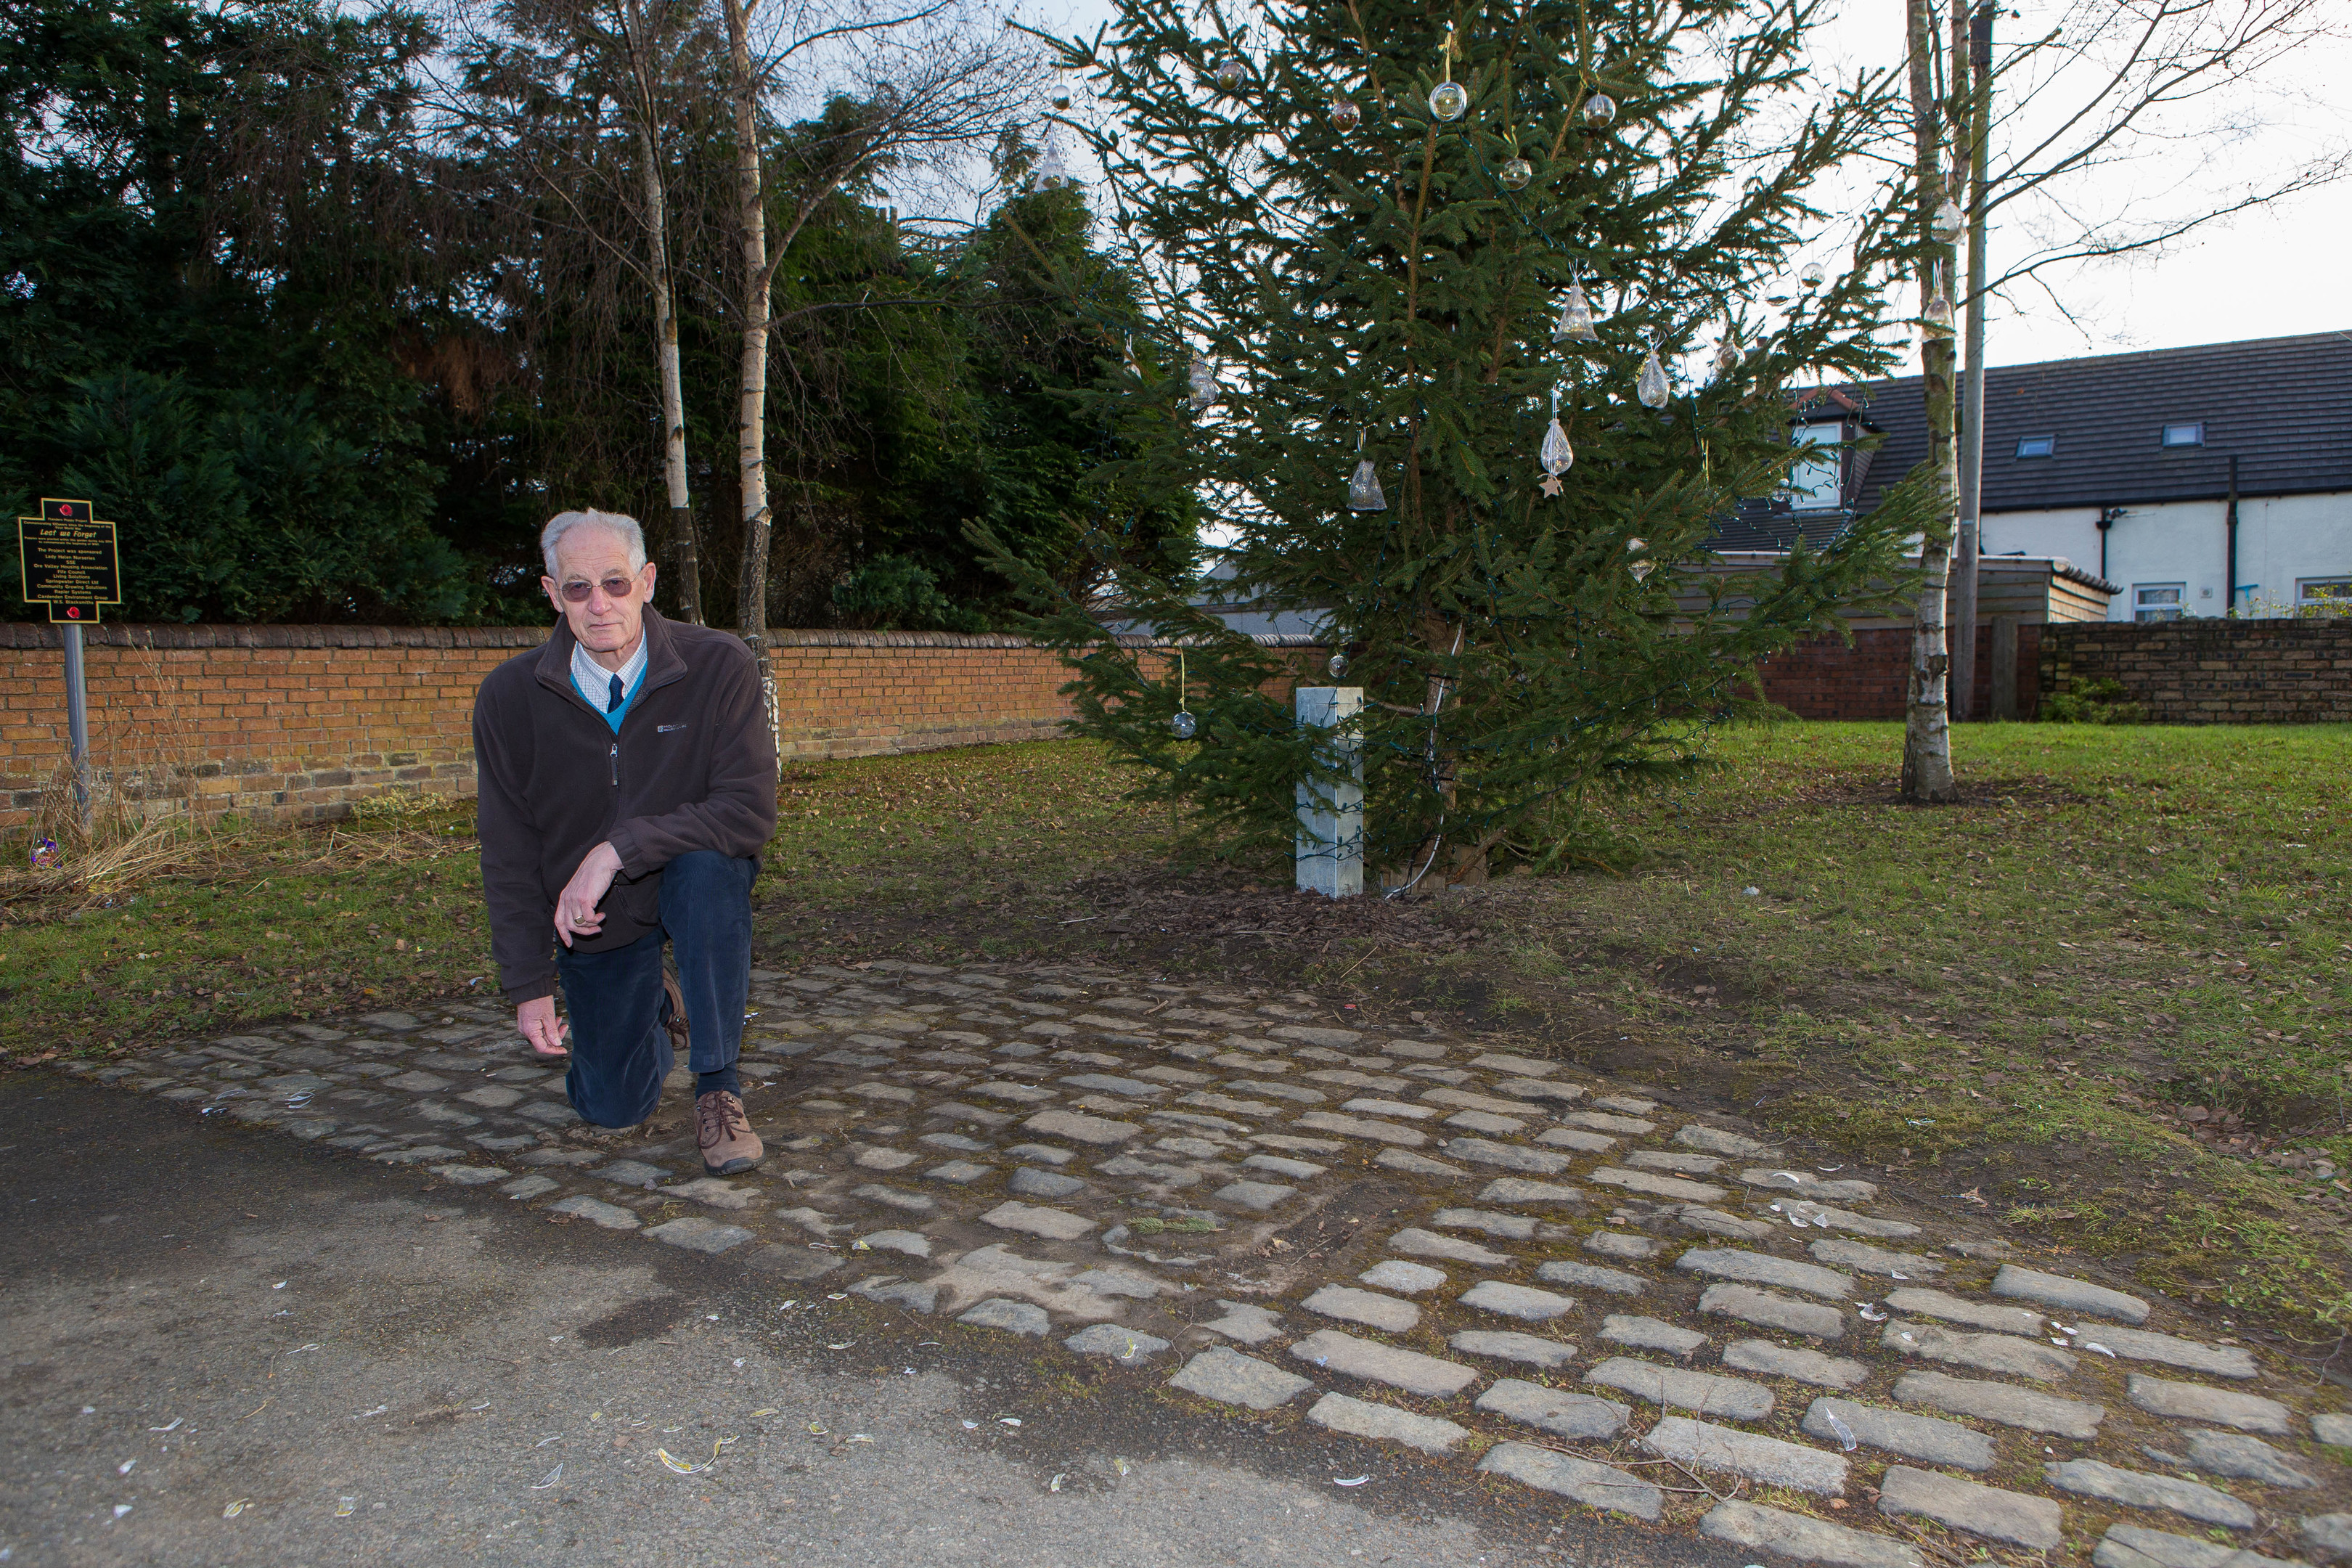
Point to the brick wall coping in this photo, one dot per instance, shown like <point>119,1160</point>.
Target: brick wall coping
<point>129,633</point>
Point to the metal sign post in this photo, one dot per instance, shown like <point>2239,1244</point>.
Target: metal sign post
<point>69,561</point>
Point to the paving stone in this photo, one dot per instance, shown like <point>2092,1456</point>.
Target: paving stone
<point>1650,1334</point>
<point>1810,1213</point>
<point>955,1109</point>
<point>2033,1522</point>
<point>2131,1546</point>
<point>2329,1535</point>
<point>1165,1175</point>
<point>1805,1185</point>
<point>1669,1160</point>
<point>1577,1139</point>
<point>1030,1182</point>
<point>1864,1259</point>
<point>1350,1305</point>
<point>1521,1301</point>
<point>1618,1243</point>
<point>2247,1459</point>
<point>529,1187</point>
<point>1535,1194</point>
<point>2195,1402</point>
<point>1987,1352</point>
<point>1258,1195</point>
<point>1801,1365</point>
<point>896,1095</point>
<point>892,1198</point>
<point>1556,1410</point>
<point>1537,1089</point>
<point>1014,1316</point>
<point>2000,1402</point>
<point>469,1176</point>
<point>1414,1242</point>
<point>1112,1279</point>
<point>1714,1221</point>
<point>1714,1141</point>
<point>1389,1109</point>
<point>1602,1122</point>
<point>1900,1432</point>
<point>2137,1489</point>
<point>1117,1342</point>
<point>1276,1165</point>
<point>2074,1295</point>
<point>1509,1156</point>
<point>1766,1461</point>
<point>1289,1092</point>
<point>1483,1121</point>
<point>1651,1184</point>
<point>1097,1131</point>
<point>1592,1276</point>
<point>2333,1429</point>
<point>913,1243</point>
<point>1405,1160</point>
<point>1357,1126</point>
<point>416,1155</point>
<point>1579,1480</point>
<point>416,1083</point>
<point>1054,1224</point>
<point>696,1234</point>
<point>1517,1067</point>
<point>1630,1104</point>
<point>1409,1279</point>
<point>1363,1418</point>
<point>1960,1309</point>
<point>718,1194</point>
<point>1760,1269</point>
<point>1679,1388</point>
<point>1505,1345</point>
<point>1409,1369</point>
<point>1300,1146</point>
<point>1804,1537</point>
<point>1229,1105</point>
<point>612,1216</point>
<point>1309,1036</point>
<point>883,1159</point>
<point>1245,1321</point>
<point>491,1097</point>
<point>2135,1345</point>
<point>1510,1227</point>
<point>1107,1083</point>
<point>631,1173</point>
<point>1462,1099</point>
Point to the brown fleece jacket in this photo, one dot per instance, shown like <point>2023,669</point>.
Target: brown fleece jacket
<point>694,767</point>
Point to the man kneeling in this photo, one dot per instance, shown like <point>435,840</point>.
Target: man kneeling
<point>629,782</point>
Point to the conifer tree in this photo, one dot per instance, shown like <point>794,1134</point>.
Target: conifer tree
<point>1474,320</point>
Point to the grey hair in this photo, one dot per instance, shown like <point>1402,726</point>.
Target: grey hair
<point>560,525</point>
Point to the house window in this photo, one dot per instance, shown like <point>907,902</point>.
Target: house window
<point>2037,446</point>
<point>1817,482</point>
<point>2185,435</point>
<point>2157,601</point>
<point>2328,595</point>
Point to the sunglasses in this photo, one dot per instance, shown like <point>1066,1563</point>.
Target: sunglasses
<point>614,588</point>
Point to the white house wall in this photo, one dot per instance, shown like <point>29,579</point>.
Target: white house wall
<point>2281,541</point>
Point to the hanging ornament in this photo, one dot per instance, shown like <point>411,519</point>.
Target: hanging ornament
<point>1938,312</point>
<point>1575,323</point>
<point>1517,172</point>
<point>1227,73</point>
<point>1052,173</point>
<point>1948,221</point>
<point>1364,487</point>
<point>1812,275</point>
<point>1447,101</point>
<point>1338,665</point>
<point>1183,725</point>
<point>1650,386</point>
<point>1641,566</point>
<point>1345,115</point>
<point>1599,110</point>
<point>1202,383</point>
<point>1726,357</point>
<point>1555,456</point>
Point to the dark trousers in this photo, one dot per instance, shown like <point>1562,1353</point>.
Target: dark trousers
<point>620,1051</point>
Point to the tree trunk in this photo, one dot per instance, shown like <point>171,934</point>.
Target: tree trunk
<point>752,411</point>
<point>685,563</point>
<point>1963,684</point>
<point>1927,717</point>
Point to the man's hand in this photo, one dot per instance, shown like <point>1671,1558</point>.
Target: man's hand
<point>535,1018</point>
<point>576,913</point>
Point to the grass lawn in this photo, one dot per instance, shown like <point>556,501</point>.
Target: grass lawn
<point>2106,1000</point>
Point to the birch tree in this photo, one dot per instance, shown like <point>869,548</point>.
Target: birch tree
<point>1926,715</point>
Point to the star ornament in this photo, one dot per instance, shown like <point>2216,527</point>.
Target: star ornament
<point>1551,485</point>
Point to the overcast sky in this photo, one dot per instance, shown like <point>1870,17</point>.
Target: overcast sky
<point>2272,272</point>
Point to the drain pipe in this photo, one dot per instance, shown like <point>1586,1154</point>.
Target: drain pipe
<point>2230,587</point>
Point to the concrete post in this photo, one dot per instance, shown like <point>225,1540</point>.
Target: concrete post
<point>1331,817</point>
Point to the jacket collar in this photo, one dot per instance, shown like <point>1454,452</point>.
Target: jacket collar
<point>664,663</point>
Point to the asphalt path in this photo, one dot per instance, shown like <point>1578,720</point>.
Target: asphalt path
<point>220,1346</point>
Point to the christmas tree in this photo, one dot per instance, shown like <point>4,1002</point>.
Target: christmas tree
<point>1473,324</point>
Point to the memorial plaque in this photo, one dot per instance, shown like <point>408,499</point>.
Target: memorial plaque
<point>69,561</point>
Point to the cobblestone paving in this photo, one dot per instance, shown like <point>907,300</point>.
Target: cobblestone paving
<point>1406,1237</point>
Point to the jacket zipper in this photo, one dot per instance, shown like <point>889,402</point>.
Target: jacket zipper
<point>615,757</point>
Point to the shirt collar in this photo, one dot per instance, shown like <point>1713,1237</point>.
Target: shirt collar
<point>594,679</point>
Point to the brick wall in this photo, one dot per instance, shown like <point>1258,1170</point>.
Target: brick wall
<point>2212,671</point>
<point>300,721</point>
<point>1830,678</point>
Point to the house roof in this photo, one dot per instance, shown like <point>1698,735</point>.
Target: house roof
<point>2282,406</point>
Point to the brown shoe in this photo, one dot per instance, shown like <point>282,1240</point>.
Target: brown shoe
<point>724,1134</point>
